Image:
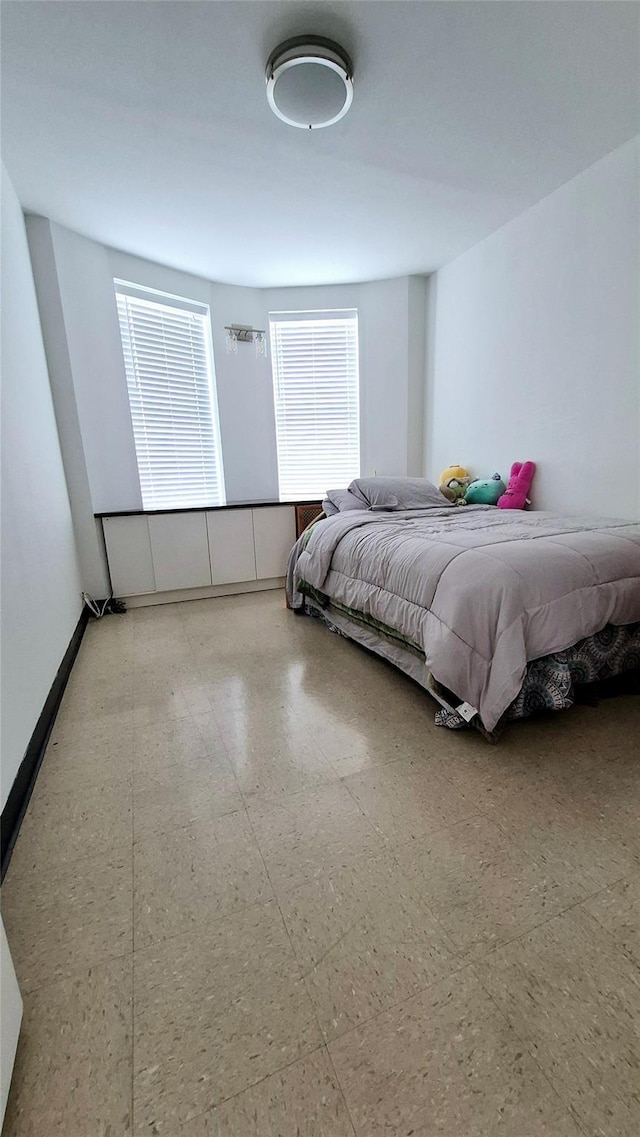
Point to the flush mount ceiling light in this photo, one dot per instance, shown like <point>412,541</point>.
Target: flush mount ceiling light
<point>309,82</point>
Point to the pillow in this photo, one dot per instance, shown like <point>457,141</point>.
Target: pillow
<point>398,493</point>
<point>337,501</point>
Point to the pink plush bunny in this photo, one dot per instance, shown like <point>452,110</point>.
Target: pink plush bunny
<point>515,495</point>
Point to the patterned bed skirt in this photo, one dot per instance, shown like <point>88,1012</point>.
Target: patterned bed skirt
<point>550,682</point>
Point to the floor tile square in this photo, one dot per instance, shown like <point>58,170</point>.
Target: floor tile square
<point>597,850</point>
<point>409,799</point>
<point>307,834</point>
<point>618,910</point>
<point>66,917</point>
<point>74,1061</point>
<point>363,941</point>
<point>574,999</point>
<point>277,766</point>
<point>214,1014</point>
<point>61,828</point>
<point>180,796</point>
<point>482,887</point>
<point>304,1100</point>
<point>159,747</point>
<point>445,1063</point>
<point>191,878</point>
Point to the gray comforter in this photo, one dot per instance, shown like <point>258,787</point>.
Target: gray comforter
<point>482,591</point>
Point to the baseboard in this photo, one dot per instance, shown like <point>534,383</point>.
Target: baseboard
<point>22,788</point>
<point>206,592</point>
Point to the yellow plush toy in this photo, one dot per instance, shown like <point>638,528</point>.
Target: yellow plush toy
<point>458,472</point>
<point>453,483</point>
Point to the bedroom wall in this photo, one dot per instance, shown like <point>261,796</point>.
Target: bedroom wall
<point>244,383</point>
<point>61,347</point>
<point>76,274</point>
<point>41,587</point>
<point>533,348</point>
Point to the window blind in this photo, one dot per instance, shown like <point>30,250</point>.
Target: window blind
<point>314,358</point>
<point>168,363</point>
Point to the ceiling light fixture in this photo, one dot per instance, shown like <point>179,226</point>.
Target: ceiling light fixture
<point>309,82</point>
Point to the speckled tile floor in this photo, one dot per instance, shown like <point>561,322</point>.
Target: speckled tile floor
<point>257,893</point>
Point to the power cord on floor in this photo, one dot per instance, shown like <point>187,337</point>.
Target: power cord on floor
<point>104,607</point>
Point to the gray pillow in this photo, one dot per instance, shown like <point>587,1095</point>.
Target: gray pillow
<point>337,501</point>
<point>398,493</point>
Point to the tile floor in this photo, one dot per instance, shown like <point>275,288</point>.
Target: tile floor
<point>258,893</point>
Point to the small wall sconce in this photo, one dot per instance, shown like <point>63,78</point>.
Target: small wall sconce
<point>241,333</point>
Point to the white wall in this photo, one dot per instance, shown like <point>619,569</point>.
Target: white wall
<point>245,398</point>
<point>41,587</point>
<point>244,382</point>
<point>74,276</point>
<point>416,373</point>
<point>64,364</point>
<point>534,350</point>
<point>91,323</point>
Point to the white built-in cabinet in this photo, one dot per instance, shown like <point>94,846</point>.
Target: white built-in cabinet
<point>129,555</point>
<point>273,533</point>
<point>170,551</point>
<point>179,550</point>
<point>231,545</point>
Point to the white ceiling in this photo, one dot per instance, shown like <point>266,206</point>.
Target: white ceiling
<point>145,125</point>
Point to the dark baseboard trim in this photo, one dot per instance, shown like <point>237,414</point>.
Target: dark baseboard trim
<point>22,788</point>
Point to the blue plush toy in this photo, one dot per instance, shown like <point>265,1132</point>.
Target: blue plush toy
<point>485,491</point>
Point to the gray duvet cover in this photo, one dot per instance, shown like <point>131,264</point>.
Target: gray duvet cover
<point>482,591</point>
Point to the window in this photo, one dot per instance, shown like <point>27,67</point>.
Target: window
<point>168,360</point>
<point>315,381</point>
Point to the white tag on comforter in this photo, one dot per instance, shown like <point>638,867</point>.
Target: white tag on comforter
<point>466,711</point>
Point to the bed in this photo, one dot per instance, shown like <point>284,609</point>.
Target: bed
<point>495,612</point>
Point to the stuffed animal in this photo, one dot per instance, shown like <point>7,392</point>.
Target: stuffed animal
<point>453,472</point>
<point>455,490</point>
<point>485,491</point>
<point>515,495</point>
<point>453,484</point>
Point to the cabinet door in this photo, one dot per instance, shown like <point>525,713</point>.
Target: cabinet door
<point>231,545</point>
<point>180,550</point>
<point>129,555</point>
<point>274,534</point>
<point>11,1007</point>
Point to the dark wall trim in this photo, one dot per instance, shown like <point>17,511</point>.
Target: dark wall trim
<point>22,788</point>
<point>207,508</point>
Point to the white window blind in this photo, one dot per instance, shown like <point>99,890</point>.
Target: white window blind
<point>166,343</point>
<point>314,357</point>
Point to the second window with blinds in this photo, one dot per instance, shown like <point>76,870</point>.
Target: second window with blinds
<point>314,358</point>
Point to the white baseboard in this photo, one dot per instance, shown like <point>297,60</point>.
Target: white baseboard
<point>208,591</point>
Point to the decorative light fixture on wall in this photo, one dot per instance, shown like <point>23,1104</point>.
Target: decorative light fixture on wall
<point>309,82</point>
<point>241,333</point>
